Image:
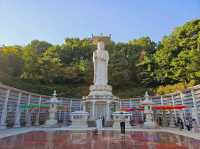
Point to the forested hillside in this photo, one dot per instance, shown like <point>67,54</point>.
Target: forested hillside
<point>134,67</point>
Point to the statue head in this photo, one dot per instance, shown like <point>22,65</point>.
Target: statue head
<point>100,45</point>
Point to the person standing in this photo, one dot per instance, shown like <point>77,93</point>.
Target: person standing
<point>103,121</point>
<point>187,124</point>
<point>181,124</point>
<point>195,126</point>
<point>99,124</point>
<point>122,126</point>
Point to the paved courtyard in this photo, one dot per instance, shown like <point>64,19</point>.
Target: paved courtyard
<point>62,138</point>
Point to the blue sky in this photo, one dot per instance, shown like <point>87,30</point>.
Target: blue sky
<point>54,20</point>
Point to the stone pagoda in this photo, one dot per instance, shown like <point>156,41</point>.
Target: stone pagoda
<point>147,103</point>
<point>100,102</point>
<point>53,102</point>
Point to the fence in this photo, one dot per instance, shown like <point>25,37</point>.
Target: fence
<point>12,99</point>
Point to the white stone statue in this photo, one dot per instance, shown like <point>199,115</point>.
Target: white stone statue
<point>100,60</point>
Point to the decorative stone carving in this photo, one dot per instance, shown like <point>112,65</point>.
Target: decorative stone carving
<point>79,119</point>
<point>100,90</point>
<point>119,116</point>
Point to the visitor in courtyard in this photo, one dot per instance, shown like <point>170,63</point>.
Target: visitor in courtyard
<point>181,125</point>
<point>195,128</point>
<point>103,121</point>
<point>99,123</point>
<point>177,122</point>
<point>160,121</point>
<point>190,123</point>
<point>122,126</point>
<point>187,124</point>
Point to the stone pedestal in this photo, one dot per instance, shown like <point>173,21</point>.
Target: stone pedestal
<point>3,126</point>
<point>51,122</point>
<point>52,115</point>
<point>100,106</point>
<point>79,119</point>
<point>100,90</point>
<point>149,120</point>
<point>119,117</point>
<point>99,103</point>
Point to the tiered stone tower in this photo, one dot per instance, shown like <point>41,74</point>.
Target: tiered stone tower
<point>100,102</point>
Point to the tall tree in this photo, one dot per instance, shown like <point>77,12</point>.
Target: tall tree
<point>175,54</point>
<point>11,61</point>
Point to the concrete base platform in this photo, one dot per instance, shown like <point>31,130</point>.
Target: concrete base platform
<point>149,125</point>
<point>51,123</point>
<point>92,123</point>
<point>3,127</point>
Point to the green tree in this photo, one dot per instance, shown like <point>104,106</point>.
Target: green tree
<point>11,61</point>
<point>50,66</point>
<point>40,46</point>
<point>174,56</point>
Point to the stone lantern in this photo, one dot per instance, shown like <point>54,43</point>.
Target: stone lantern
<point>148,112</point>
<point>52,110</point>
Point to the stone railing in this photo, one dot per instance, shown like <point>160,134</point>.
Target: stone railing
<point>21,108</point>
<point>189,98</point>
<point>11,115</point>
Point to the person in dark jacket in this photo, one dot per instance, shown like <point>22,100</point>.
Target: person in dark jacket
<point>181,124</point>
<point>122,125</point>
<point>103,121</point>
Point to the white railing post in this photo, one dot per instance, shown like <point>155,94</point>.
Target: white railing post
<point>18,112</point>
<point>28,115</point>
<point>4,111</point>
<point>173,102</point>
<point>38,114</point>
<point>161,100</point>
<point>195,107</point>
